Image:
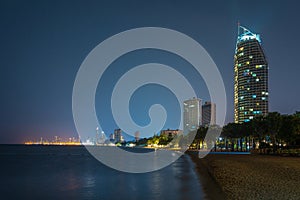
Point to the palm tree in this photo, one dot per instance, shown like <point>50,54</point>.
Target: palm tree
<point>286,130</point>
<point>273,121</point>
<point>234,132</point>
<point>259,128</point>
<point>200,136</point>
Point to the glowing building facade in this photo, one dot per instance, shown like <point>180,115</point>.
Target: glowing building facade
<point>250,77</point>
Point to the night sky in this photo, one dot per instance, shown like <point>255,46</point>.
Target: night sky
<point>43,44</point>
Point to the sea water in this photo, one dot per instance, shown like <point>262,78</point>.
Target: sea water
<point>70,172</point>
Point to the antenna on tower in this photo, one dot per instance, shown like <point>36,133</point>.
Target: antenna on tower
<point>238,27</point>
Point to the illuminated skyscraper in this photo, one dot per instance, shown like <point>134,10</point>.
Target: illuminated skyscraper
<point>192,114</point>
<point>250,77</point>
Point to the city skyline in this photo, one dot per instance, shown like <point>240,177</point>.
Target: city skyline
<point>44,44</point>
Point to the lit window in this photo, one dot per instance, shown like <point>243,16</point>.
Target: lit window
<point>257,79</point>
<point>250,57</point>
<point>263,98</point>
<point>251,109</point>
<point>254,96</point>
<point>254,75</point>
<point>246,73</point>
<point>251,117</point>
<point>257,104</point>
<point>247,63</point>
<point>246,120</point>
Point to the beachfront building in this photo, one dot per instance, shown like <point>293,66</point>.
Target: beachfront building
<point>250,77</point>
<point>170,133</point>
<point>208,113</point>
<point>192,114</point>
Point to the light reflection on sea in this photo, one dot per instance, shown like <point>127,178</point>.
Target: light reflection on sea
<point>63,172</point>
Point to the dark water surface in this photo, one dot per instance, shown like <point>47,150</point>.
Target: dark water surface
<point>70,172</point>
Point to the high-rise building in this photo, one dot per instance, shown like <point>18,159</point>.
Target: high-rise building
<point>192,114</point>
<point>100,137</point>
<point>250,77</point>
<point>208,113</point>
<point>118,135</point>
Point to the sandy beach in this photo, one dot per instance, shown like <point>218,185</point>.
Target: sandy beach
<point>251,176</point>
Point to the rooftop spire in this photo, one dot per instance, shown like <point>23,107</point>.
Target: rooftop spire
<point>245,34</point>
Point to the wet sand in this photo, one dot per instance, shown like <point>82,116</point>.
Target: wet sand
<point>212,189</point>
<point>250,176</point>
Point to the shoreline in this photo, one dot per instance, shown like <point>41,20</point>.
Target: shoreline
<point>210,186</point>
<point>249,176</point>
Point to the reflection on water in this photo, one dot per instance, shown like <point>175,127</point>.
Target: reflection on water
<point>71,173</point>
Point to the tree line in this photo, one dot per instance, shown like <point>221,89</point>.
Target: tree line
<point>271,131</point>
